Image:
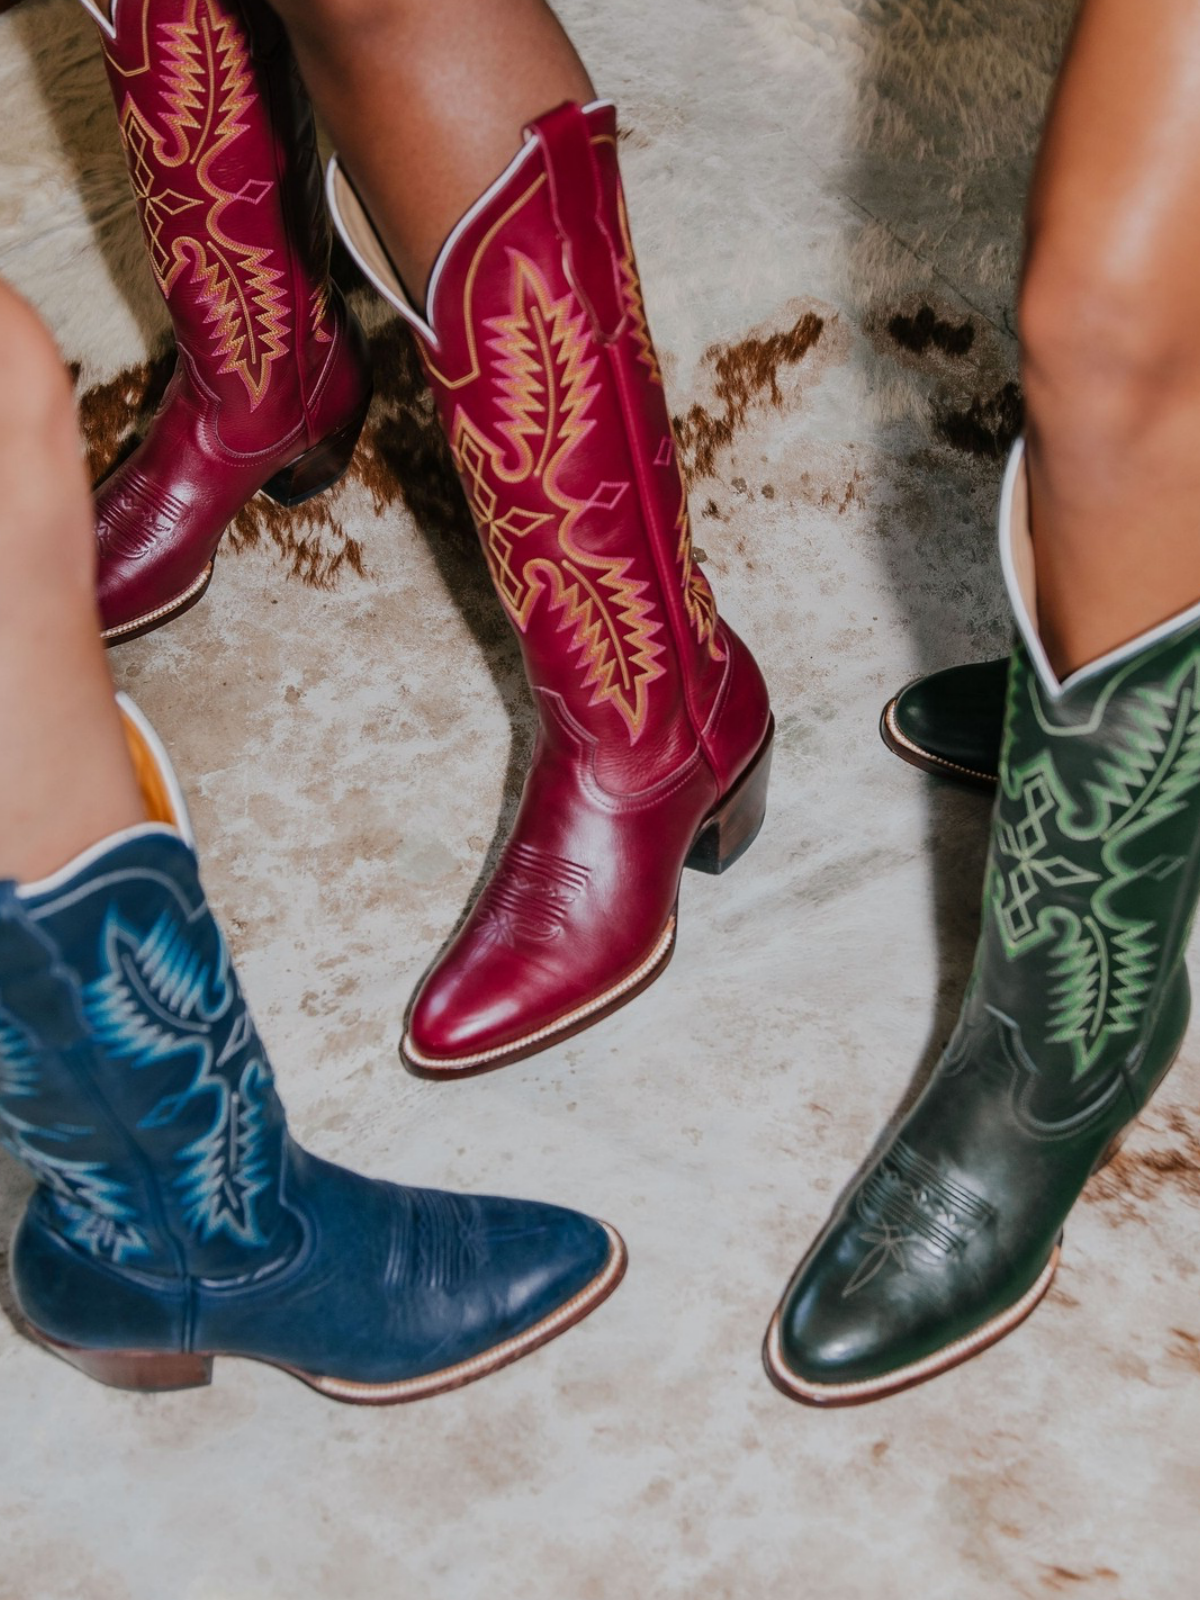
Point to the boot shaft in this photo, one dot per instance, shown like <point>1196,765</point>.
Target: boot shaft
<point>222,158</point>
<point>546,379</point>
<point>132,1080</point>
<point>1094,865</point>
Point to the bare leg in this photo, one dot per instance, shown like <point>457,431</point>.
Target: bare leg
<point>426,102</point>
<point>1079,997</point>
<point>1110,323</point>
<point>68,781</point>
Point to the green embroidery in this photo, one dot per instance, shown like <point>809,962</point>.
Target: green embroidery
<point>1027,844</point>
<point>1063,853</point>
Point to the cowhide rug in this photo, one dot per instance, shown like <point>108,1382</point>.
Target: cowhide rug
<point>826,200</point>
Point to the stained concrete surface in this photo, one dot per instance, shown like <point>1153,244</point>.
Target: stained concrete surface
<point>352,753</point>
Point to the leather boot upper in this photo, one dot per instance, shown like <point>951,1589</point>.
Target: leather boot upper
<point>548,386</point>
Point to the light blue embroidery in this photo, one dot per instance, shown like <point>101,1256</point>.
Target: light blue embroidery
<point>227,1168</point>
<point>158,1000</point>
<point>19,1075</point>
<point>158,995</point>
<point>93,1204</point>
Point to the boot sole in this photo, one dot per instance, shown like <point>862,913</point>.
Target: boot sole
<point>829,1395</point>
<point>721,840</point>
<point>159,1371</point>
<point>924,760</point>
<point>311,474</point>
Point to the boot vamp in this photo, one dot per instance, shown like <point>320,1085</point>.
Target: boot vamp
<point>581,898</point>
<point>161,513</point>
<point>396,1282</point>
<point>948,1229</point>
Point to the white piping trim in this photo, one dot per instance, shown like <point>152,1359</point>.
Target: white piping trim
<point>389,285</point>
<point>86,858</point>
<point>1024,605</point>
<point>343,202</point>
<point>481,204</point>
<point>182,828</point>
<point>1014,479</point>
<point>523,155</point>
<point>134,714</point>
<point>103,22</point>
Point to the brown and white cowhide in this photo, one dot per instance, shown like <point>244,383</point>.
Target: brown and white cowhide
<point>826,199</point>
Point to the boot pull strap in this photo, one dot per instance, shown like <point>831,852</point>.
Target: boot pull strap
<point>36,990</point>
<point>577,201</point>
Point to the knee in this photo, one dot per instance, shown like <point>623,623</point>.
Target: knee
<point>1108,353</point>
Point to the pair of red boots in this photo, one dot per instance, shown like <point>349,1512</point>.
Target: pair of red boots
<point>654,741</point>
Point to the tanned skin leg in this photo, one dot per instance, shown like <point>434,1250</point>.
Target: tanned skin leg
<point>68,780</point>
<point>426,103</point>
<point>1110,328</point>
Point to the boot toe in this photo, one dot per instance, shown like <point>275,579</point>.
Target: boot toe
<point>454,1026</point>
<point>952,720</point>
<point>473,1012</point>
<point>871,1302</point>
<point>872,1311</point>
<point>496,1277</point>
<point>539,1258</point>
<point>826,1342</point>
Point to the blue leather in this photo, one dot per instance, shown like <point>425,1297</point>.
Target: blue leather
<point>173,1212</point>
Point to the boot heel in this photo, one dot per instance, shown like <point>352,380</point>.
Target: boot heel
<point>729,831</point>
<point>147,1370</point>
<point>317,469</point>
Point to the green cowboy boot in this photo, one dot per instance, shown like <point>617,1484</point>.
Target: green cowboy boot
<point>1076,1009</point>
<point>950,723</point>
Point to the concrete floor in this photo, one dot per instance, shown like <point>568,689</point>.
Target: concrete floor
<point>352,755</point>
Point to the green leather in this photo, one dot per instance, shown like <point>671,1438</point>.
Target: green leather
<point>951,722</point>
<point>1076,1008</point>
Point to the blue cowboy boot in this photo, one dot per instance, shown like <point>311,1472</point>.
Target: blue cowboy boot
<point>1076,1009</point>
<point>174,1219</point>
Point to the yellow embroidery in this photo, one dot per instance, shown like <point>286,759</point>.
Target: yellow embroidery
<point>544,377</point>
<point>698,599</point>
<point>639,328</point>
<point>208,86</point>
<point>318,310</point>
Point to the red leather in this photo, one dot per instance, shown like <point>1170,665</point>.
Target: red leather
<point>272,371</point>
<point>650,708</point>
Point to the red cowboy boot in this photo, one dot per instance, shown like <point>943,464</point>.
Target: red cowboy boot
<point>655,732</point>
<point>272,383</point>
